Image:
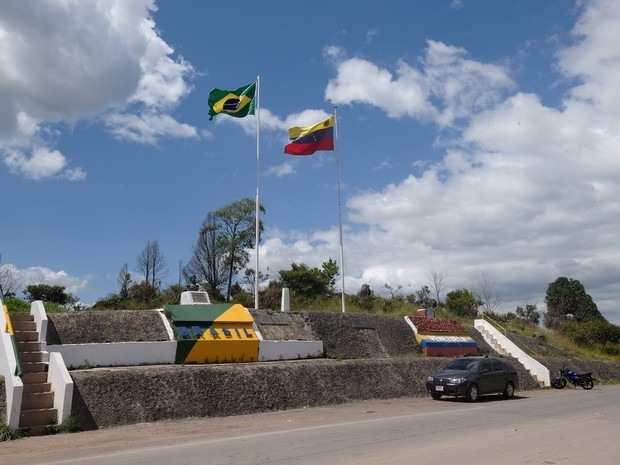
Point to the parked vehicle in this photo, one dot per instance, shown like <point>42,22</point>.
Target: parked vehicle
<point>584,380</point>
<point>473,376</point>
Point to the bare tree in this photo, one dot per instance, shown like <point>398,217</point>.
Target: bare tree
<point>393,289</point>
<point>151,262</point>
<point>9,283</point>
<point>437,283</point>
<point>124,280</point>
<point>208,261</point>
<point>484,290</point>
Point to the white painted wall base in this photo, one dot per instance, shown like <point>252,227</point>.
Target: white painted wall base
<point>116,353</point>
<point>289,350</point>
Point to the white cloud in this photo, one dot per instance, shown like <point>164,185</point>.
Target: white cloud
<point>41,163</point>
<point>147,127</point>
<point>282,170</point>
<point>526,194</point>
<point>44,275</point>
<point>63,61</point>
<point>449,87</point>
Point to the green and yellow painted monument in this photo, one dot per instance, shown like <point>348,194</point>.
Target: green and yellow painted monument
<point>213,333</point>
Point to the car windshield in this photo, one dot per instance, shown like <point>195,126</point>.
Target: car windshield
<point>463,364</point>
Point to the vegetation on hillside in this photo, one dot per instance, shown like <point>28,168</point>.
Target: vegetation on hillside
<point>221,253</point>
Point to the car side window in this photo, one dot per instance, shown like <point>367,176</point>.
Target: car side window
<point>486,366</point>
<point>497,366</point>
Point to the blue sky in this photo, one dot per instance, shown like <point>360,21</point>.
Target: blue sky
<point>474,138</point>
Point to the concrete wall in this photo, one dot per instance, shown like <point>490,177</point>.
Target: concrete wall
<point>61,384</point>
<point>289,350</point>
<point>13,386</point>
<point>116,353</point>
<point>120,396</point>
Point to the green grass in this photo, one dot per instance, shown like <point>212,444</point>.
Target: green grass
<point>9,434</point>
<point>557,340</point>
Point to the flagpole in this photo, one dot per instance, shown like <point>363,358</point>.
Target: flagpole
<point>257,238</point>
<point>339,209</point>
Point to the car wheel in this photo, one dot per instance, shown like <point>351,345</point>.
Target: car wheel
<point>509,390</point>
<point>435,395</point>
<point>472,393</point>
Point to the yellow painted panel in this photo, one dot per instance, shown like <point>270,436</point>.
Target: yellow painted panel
<point>237,313</point>
<point>225,342</point>
<point>222,351</point>
<point>229,331</point>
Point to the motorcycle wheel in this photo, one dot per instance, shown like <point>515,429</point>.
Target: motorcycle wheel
<point>559,383</point>
<point>587,384</point>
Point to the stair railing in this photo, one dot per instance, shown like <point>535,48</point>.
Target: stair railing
<point>494,323</point>
<point>9,329</point>
<point>524,348</point>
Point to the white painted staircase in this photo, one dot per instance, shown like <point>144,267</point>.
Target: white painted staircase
<point>504,346</point>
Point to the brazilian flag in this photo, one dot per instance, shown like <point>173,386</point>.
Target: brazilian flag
<point>238,103</point>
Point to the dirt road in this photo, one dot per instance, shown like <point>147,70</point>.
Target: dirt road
<point>203,436</point>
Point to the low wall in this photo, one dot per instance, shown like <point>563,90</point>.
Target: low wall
<point>289,350</point>
<point>116,353</point>
<point>120,396</point>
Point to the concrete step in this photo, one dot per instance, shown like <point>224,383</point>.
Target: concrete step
<point>32,357</point>
<point>37,417</point>
<point>37,400</point>
<point>34,378</point>
<point>24,325</point>
<point>25,335</point>
<point>20,316</point>
<point>34,388</point>
<point>28,346</point>
<point>33,367</point>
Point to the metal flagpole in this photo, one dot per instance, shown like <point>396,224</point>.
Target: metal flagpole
<point>257,111</point>
<point>339,208</point>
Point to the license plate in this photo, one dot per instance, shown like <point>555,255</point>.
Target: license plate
<point>438,388</point>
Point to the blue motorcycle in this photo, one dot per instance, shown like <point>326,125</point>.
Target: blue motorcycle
<point>584,380</point>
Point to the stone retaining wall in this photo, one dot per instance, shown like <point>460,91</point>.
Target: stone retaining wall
<point>369,357</point>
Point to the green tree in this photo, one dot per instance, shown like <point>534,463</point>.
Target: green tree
<point>48,293</point>
<point>423,297</point>
<point>528,314</point>
<point>236,233</point>
<point>567,296</point>
<point>330,271</point>
<point>463,303</point>
<point>593,332</point>
<point>304,281</point>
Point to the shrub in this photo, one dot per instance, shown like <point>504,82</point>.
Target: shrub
<point>8,434</point>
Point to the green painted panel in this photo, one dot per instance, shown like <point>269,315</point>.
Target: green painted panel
<point>183,350</point>
<point>196,312</point>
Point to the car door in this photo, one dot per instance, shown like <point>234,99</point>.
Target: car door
<point>486,380</point>
<point>499,375</point>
